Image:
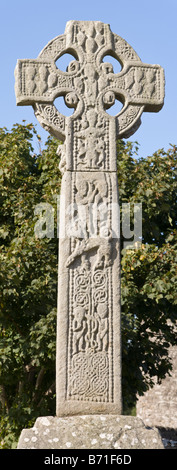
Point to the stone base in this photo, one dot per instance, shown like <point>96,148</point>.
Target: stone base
<point>90,432</point>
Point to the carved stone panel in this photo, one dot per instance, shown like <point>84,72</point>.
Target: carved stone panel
<point>89,292</point>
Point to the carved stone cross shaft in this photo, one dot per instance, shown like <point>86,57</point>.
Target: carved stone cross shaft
<point>88,365</point>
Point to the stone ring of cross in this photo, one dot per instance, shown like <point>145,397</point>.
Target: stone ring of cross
<point>89,82</point>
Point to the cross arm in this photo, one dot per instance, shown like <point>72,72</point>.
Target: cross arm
<point>140,84</point>
<point>40,81</point>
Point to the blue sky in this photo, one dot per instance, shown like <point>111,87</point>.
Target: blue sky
<point>148,26</point>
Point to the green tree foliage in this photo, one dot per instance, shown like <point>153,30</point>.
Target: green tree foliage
<point>28,276</point>
<point>149,274</point>
<point>28,283</point>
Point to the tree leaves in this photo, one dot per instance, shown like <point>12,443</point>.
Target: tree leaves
<point>149,274</point>
<point>28,285</point>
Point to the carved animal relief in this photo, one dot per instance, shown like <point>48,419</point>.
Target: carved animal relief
<point>88,338</point>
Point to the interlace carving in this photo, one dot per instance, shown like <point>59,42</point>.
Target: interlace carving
<point>88,338</point>
<point>89,82</point>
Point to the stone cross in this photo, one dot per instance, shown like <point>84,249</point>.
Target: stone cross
<point>88,366</point>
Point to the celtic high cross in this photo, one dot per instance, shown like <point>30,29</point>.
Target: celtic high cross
<point>88,366</point>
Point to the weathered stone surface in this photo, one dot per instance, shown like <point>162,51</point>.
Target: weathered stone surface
<point>89,83</point>
<point>158,407</point>
<point>88,366</point>
<point>88,357</point>
<point>90,432</point>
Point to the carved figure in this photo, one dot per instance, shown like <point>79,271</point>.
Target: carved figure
<point>88,338</point>
<point>91,147</point>
<point>79,327</point>
<point>102,336</point>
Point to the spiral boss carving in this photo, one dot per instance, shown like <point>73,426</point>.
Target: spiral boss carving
<point>88,339</point>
